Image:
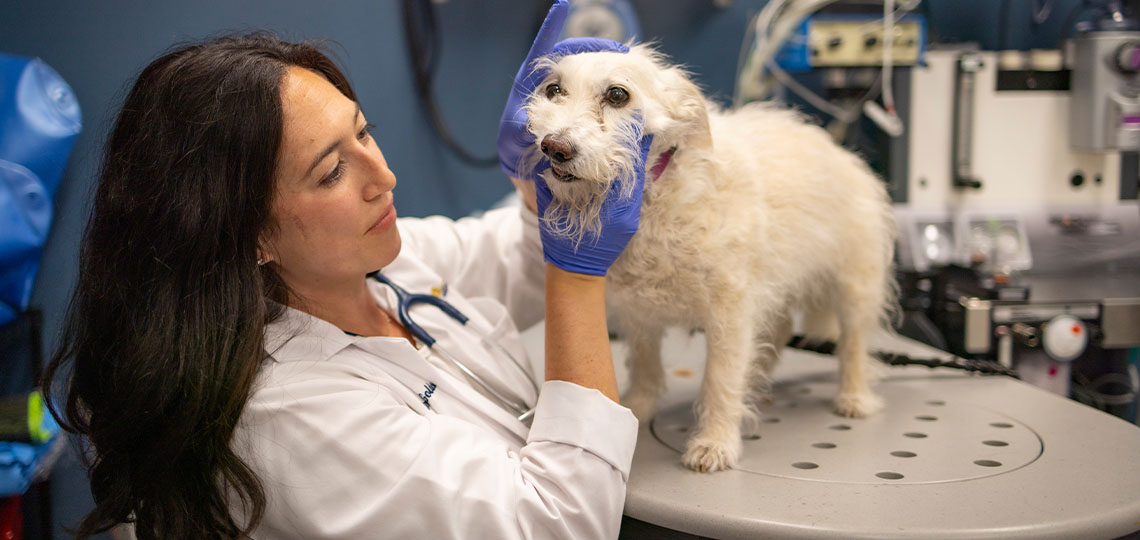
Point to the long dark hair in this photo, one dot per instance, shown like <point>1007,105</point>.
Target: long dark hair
<point>164,334</point>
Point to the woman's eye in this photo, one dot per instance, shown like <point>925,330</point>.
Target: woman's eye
<point>332,177</point>
<point>552,90</point>
<point>366,132</point>
<point>617,96</point>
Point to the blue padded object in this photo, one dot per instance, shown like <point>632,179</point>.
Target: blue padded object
<point>25,216</point>
<point>23,463</point>
<point>39,118</point>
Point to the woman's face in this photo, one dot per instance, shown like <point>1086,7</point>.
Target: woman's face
<point>333,216</point>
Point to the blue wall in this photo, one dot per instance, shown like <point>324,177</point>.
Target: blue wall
<point>99,46</point>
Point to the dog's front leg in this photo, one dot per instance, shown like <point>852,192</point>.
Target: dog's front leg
<point>646,374</point>
<point>721,406</point>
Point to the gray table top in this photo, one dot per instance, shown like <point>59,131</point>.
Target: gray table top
<point>951,456</point>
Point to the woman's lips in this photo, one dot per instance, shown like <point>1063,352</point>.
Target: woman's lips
<point>386,220</point>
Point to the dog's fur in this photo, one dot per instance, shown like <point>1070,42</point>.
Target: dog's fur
<point>757,216</point>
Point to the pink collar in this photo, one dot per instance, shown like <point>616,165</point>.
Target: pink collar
<point>662,162</point>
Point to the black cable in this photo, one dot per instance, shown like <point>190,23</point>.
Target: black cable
<point>423,38</point>
<point>984,367</point>
<point>1003,24</point>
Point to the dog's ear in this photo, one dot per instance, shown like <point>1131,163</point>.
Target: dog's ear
<point>685,110</point>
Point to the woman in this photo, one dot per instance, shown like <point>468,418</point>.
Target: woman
<point>239,374</point>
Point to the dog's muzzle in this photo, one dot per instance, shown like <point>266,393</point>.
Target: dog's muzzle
<point>559,151</point>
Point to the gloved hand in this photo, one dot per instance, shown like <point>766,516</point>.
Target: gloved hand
<point>514,140</point>
<point>620,218</point>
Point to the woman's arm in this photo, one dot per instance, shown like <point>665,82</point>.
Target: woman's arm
<point>577,340</point>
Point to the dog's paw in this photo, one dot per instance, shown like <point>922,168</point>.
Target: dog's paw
<point>710,456</point>
<point>643,404</point>
<point>858,405</point>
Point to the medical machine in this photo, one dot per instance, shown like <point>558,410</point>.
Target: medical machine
<point>1020,230</point>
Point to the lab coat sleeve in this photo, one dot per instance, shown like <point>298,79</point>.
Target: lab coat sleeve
<point>497,255</point>
<point>350,461</point>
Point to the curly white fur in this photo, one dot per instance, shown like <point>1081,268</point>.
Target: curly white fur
<point>757,215</point>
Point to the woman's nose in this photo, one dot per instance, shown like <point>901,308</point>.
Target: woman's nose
<point>380,179</point>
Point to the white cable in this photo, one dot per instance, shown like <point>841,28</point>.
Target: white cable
<point>777,20</point>
<point>843,115</point>
<point>888,41</point>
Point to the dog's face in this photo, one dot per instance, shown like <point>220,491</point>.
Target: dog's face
<point>587,116</point>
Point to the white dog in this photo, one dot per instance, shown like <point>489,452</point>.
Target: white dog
<point>747,217</point>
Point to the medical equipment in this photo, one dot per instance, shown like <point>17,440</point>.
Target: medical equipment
<point>405,300</point>
<point>609,19</point>
<point>1020,233</point>
<point>1105,111</point>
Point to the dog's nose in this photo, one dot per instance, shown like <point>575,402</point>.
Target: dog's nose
<point>558,150</point>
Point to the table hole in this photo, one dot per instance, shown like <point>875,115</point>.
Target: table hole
<point>805,465</point>
<point>889,475</point>
<point>751,437</point>
<point>1002,425</point>
<point>915,435</point>
<point>926,418</point>
<point>840,427</point>
<point>995,443</point>
<point>936,402</point>
<point>824,445</point>
<point>987,463</point>
<point>903,453</point>
<point>771,420</point>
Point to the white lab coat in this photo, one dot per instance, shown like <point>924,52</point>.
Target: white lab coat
<point>338,432</point>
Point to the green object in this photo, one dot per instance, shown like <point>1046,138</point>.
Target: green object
<point>25,418</point>
<point>38,430</point>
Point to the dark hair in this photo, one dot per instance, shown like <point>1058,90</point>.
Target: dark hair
<point>166,326</point>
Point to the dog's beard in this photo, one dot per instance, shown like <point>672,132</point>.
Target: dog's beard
<point>576,206</point>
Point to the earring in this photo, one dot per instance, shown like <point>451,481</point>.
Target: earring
<point>261,262</point>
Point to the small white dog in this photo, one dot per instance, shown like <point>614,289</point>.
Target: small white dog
<point>748,216</point>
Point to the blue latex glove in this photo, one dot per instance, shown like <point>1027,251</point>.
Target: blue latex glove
<point>514,140</point>
<point>620,217</point>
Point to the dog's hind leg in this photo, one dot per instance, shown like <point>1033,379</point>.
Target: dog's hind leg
<point>646,374</point>
<point>858,309</point>
<point>768,345</point>
<point>721,405</point>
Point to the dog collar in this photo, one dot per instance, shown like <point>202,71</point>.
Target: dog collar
<point>662,162</point>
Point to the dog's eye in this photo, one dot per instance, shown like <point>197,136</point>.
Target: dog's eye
<point>617,96</point>
<point>552,90</point>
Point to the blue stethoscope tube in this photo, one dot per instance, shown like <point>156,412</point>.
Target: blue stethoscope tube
<point>404,301</point>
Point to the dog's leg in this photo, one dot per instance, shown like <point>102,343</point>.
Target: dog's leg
<point>646,374</point>
<point>769,344</point>
<point>721,405</point>
<point>858,313</point>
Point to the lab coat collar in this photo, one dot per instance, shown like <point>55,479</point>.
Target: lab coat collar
<point>298,336</point>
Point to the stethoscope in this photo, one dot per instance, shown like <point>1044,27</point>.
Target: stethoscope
<point>404,301</point>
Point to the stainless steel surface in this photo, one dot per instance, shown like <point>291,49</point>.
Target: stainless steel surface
<point>1105,97</point>
<point>963,175</point>
<point>978,331</point>
<point>1120,323</point>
